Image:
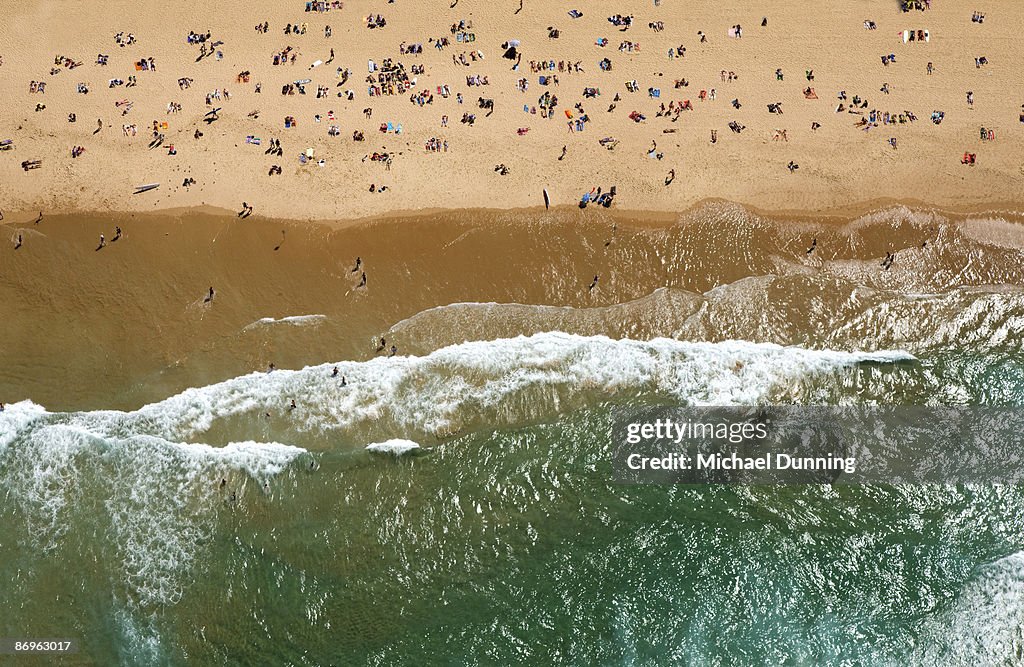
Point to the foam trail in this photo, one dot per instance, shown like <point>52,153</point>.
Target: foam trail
<point>499,382</point>
<point>159,496</point>
<point>294,320</point>
<point>984,624</point>
<point>395,447</point>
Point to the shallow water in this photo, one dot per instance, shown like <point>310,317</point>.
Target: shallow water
<point>163,524</point>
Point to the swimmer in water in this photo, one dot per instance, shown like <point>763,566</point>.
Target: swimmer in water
<point>394,351</point>
<point>383,344</point>
<point>359,262</point>
<point>292,406</point>
<point>593,284</point>
<point>814,244</point>
<point>334,374</point>
<point>343,383</point>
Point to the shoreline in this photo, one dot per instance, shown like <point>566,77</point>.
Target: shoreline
<point>653,219</point>
<point>142,327</point>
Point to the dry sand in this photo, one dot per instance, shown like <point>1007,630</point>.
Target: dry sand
<point>840,165</point>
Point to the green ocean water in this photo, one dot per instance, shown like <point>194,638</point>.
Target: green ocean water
<point>456,504</point>
<point>509,545</point>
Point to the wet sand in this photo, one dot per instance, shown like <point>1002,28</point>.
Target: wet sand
<point>129,324</point>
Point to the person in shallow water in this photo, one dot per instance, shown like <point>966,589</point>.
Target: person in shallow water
<point>334,374</point>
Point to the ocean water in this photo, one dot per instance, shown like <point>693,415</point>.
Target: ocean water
<point>455,504</point>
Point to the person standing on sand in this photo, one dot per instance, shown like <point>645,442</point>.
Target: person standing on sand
<point>209,296</point>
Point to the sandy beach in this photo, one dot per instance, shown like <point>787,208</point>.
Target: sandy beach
<point>839,164</point>
<point>327,333</point>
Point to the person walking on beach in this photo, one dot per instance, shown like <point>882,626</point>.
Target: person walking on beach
<point>209,296</point>
<point>103,243</point>
<point>18,244</point>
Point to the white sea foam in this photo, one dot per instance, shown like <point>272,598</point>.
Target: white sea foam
<point>161,494</point>
<point>294,320</point>
<point>394,447</point>
<point>160,497</point>
<point>983,627</point>
<point>498,382</point>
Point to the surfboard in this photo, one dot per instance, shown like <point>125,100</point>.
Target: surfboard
<point>547,199</point>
